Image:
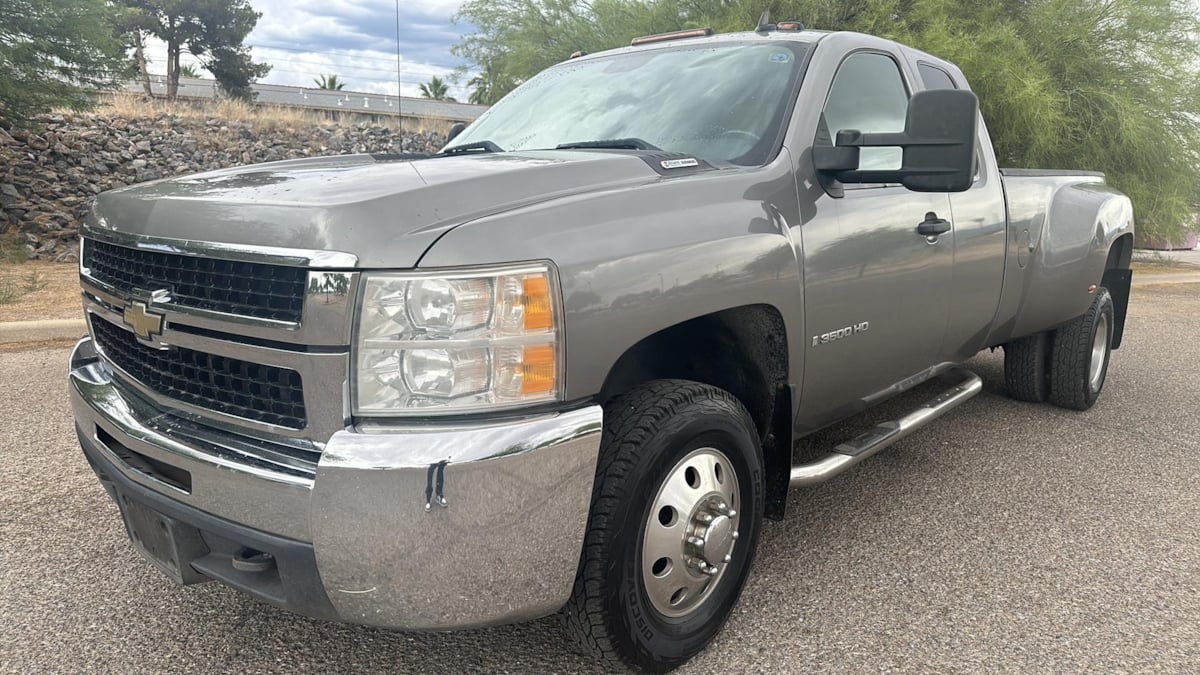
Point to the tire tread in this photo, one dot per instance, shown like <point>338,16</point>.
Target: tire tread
<point>1027,367</point>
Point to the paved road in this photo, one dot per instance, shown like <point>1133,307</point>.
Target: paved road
<point>1007,537</point>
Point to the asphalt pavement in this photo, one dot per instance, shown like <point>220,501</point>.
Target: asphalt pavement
<point>1006,537</point>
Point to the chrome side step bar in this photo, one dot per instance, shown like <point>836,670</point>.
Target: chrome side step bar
<point>847,454</point>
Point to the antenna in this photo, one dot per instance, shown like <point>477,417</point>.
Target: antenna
<point>764,23</point>
<point>399,88</point>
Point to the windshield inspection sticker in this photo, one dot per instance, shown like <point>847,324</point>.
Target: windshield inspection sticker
<point>679,163</point>
<point>781,57</point>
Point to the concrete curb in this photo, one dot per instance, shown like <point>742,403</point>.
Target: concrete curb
<point>36,331</point>
<point>1162,279</point>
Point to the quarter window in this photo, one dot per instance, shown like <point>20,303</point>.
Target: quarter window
<point>935,78</point>
<point>869,95</point>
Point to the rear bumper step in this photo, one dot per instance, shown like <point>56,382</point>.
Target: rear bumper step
<point>845,455</point>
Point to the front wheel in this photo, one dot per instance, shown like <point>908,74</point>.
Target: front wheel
<point>674,523</point>
<point>1079,360</point>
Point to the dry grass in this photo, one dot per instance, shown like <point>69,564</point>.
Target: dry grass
<point>39,290</point>
<point>1147,267</point>
<point>37,345</point>
<point>260,117</point>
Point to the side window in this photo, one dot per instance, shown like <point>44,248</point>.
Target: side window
<point>868,94</point>
<point>935,78</point>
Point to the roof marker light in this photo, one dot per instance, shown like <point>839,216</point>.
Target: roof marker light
<point>677,35</point>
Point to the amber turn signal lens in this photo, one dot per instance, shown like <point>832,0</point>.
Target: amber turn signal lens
<point>539,310</point>
<point>538,370</point>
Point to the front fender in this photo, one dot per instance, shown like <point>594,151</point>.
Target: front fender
<point>635,261</point>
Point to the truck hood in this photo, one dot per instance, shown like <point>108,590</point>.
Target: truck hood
<point>386,212</point>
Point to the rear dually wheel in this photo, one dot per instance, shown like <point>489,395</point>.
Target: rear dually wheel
<point>1079,360</point>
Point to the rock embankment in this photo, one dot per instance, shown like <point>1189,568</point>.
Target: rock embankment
<point>49,176</point>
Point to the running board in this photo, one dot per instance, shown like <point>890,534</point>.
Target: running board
<point>863,446</point>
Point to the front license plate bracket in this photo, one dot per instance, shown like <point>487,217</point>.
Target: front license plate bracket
<point>166,543</point>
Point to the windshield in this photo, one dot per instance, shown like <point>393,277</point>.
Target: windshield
<point>720,102</point>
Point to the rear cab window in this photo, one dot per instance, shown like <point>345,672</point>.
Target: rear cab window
<point>936,78</point>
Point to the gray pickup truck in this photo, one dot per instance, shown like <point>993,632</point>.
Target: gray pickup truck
<point>562,364</point>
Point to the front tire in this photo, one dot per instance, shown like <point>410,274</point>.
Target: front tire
<point>676,511</point>
<point>1079,362</point>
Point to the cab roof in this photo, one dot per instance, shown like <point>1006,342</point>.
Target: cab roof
<point>805,36</point>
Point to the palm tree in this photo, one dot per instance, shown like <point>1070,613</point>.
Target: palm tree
<point>489,85</point>
<point>188,70</point>
<point>481,90</point>
<point>329,81</point>
<point>436,89</point>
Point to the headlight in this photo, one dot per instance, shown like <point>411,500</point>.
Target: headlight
<point>452,342</point>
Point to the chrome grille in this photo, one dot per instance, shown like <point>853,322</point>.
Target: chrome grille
<point>253,289</point>
<point>267,394</point>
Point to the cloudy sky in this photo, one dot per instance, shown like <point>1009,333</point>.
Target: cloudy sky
<point>356,39</point>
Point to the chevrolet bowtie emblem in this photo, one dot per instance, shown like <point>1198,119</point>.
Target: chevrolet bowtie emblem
<point>145,324</point>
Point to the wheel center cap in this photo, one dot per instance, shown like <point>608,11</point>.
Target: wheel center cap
<point>712,534</point>
<point>718,540</point>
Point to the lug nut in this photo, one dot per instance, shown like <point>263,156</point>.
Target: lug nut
<point>735,534</point>
<point>728,557</point>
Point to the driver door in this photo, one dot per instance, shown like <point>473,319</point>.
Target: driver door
<point>876,293</point>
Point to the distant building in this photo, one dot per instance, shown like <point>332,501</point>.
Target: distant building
<point>357,105</point>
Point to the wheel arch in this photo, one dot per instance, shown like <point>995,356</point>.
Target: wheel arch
<point>743,350</point>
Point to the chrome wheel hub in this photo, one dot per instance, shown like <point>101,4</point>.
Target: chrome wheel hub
<point>713,534</point>
<point>690,532</point>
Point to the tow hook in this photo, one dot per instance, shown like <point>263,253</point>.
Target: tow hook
<point>435,484</point>
<point>249,560</point>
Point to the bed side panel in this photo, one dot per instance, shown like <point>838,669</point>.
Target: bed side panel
<point>1060,231</point>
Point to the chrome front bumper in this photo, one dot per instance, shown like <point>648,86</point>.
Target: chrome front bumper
<point>412,527</point>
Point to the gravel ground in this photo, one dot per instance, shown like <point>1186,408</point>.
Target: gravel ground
<point>1006,537</point>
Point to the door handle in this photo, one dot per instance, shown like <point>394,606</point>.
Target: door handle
<point>932,226</point>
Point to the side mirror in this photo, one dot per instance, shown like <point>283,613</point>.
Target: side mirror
<point>455,129</point>
<point>939,142</point>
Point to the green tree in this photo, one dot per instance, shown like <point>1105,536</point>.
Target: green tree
<point>489,85</point>
<point>1111,85</point>
<point>188,70</point>
<point>235,71</point>
<point>329,81</point>
<point>52,52</point>
<point>436,89</point>
<point>212,30</point>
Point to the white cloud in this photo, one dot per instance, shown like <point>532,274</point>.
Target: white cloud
<point>302,39</point>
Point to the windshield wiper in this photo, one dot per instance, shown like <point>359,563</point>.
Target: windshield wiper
<point>477,146</point>
<point>610,144</point>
